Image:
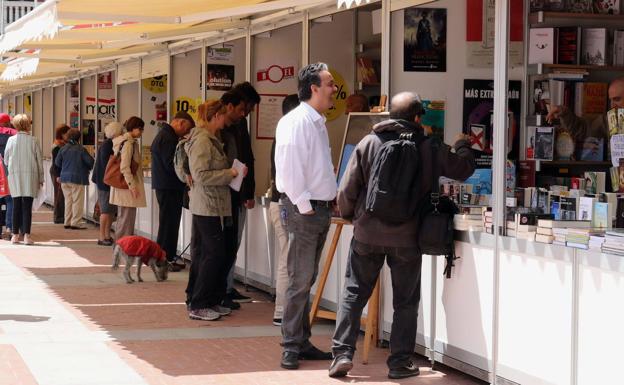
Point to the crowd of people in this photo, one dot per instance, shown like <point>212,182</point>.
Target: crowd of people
<point>193,165</point>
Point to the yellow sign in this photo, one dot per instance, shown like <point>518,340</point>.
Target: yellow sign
<point>340,98</point>
<point>28,104</point>
<point>156,85</point>
<point>187,104</point>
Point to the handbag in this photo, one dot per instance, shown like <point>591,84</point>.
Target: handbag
<point>113,176</point>
<point>436,235</point>
<point>4,180</point>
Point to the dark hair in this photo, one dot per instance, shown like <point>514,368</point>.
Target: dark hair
<point>232,97</point>
<point>289,103</point>
<point>248,92</point>
<point>407,109</point>
<point>73,134</point>
<point>183,115</point>
<point>134,122</point>
<point>60,130</point>
<point>308,76</point>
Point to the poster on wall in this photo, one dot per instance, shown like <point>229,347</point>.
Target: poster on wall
<point>186,104</point>
<point>480,33</point>
<point>11,108</point>
<point>154,111</point>
<point>219,77</point>
<point>28,104</point>
<point>424,41</point>
<point>223,52</point>
<point>478,119</point>
<point>268,113</point>
<point>106,103</point>
<point>433,119</point>
<point>73,104</point>
<point>340,98</point>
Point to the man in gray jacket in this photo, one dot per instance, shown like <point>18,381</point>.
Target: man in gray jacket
<point>375,240</point>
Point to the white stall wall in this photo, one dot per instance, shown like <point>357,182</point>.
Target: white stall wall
<point>59,106</point>
<point>340,57</point>
<point>185,82</point>
<point>19,104</point>
<point>37,118</point>
<point>153,106</point>
<point>128,95</point>
<point>283,48</point>
<point>237,59</point>
<point>48,127</point>
<point>5,104</point>
<point>440,85</point>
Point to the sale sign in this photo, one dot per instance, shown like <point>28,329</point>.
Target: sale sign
<point>275,73</point>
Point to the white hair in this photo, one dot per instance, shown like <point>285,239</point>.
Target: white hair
<point>113,129</point>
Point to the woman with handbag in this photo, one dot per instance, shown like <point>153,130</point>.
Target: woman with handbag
<point>24,160</point>
<point>60,138</point>
<point>107,210</point>
<point>210,205</point>
<point>126,147</point>
<point>74,163</point>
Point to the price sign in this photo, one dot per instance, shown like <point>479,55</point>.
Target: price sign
<point>617,149</point>
<point>156,85</point>
<point>186,104</point>
<point>340,99</point>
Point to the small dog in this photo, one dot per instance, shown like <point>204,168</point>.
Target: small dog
<point>134,248</point>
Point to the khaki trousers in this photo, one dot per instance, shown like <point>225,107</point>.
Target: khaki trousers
<point>125,221</point>
<point>74,203</point>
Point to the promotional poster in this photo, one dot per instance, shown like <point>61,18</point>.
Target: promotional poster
<point>424,44</point>
<point>220,77</point>
<point>478,118</point>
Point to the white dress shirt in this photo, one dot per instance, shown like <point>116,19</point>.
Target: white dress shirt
<point>303,163</point>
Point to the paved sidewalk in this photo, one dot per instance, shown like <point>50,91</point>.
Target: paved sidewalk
<point>66,319</point>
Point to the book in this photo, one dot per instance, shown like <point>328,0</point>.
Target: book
<point>544,231</point>
<point>586,209</point>
<point>593,149</point>
<point>620,117</point>
<point>526,173</point>
<point>619,214</point>
<point>595,182</point>
<point>612,122</point>
<point>542,45</point>
<point>590,99</point>
<point>538,5</point>
<point>528,235</point>
<point>556,90</point>
<point>366,71</point>
<point>610,7</point>
<point>615,178</point>
<point>481,181</point>
<point>568,207</point>
<point>542,238</point>
<point>527,228</point>
<point>611,199</point>
<point>541,95</point>
<point>552,224</point>
<point>600,215</point>
<point>555,5</point>
<point>568,45</point>
<point>618,47</point>
<point>580,6</point>
<point>544,143</point>
<point>594,47</point>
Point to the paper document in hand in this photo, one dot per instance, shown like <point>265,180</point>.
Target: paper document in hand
<point>236,183</point>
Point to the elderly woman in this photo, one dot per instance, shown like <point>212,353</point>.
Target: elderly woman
<point>127,200</point>
<point>107,210</point>
<point>60,138</point>
<point>23,159</point>
<point>210,205</point>
<point>74,163</point>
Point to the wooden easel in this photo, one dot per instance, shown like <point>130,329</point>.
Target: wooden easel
<point>372,318</point>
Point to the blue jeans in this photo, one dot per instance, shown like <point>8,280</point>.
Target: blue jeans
<point>7,212</point>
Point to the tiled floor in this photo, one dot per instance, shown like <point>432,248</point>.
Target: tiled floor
<point>66,318</point>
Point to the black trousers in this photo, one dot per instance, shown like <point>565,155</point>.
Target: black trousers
<point>59,201</point>
<point>22,215</point>
<point>170,213</point>
<point>210,263</point>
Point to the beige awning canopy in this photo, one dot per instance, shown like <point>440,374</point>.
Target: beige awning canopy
<point>62,37</point>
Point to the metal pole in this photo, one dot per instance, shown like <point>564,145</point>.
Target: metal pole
<point>501,44</point>
<point>305,38</point>
<point>248,77</point>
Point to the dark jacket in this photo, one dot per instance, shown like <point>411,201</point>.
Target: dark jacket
<point>163,152</point>
<point>353,186</point>
<point>101,160</point>
<point>237,144</point>
<point>5,134</point>
<point>75,164</point>
<point>55,172</point>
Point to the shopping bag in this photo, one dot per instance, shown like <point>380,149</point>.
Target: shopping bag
<point>39,199</point>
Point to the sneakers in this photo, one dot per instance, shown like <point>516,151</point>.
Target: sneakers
<point>206,314</point>
<point>277,321</point>
<point>340,366</point>
<point>15,239</point>
<point>222,310</point>
<point>105,242</point>
<point>315,354</point>
<point>227,302</point>
<point>289,360</point>
<point>238,297</point>
<point>409,370</point>
<point>179,263</point>
<point>28,240</point>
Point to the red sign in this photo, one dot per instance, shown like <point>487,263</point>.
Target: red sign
<point>275,74</point>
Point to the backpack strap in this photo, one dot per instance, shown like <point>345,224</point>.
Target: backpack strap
<point>434,196</point>
<point>387,136</point>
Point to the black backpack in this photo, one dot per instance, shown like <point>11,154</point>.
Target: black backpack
<point>394,178</point>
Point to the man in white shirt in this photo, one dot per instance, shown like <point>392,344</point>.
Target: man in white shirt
<point>304,173</point>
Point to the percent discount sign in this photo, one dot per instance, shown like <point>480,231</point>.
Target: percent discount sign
<point>340,98</point>
<point>186,104</point>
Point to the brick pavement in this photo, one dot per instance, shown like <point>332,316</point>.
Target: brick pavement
<point>141,333</point>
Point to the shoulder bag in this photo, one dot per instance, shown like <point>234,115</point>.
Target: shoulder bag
<point>113,176</point>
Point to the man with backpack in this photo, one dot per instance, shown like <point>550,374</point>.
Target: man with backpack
<point>169,188</point>
<point>390,168</point>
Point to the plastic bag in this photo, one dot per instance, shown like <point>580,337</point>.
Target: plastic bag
<point>39,199</point>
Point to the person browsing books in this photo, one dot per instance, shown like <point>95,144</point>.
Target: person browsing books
<point>583,129</point>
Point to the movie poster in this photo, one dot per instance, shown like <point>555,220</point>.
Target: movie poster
<point>433,119</point>
<point>424,45</point>
<point>220,77</point>
<point>478,119</point>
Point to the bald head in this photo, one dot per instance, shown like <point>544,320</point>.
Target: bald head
<point>406,106</point>
<point>616,93</point>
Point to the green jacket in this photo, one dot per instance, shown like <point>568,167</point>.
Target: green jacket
<point>210,169</point>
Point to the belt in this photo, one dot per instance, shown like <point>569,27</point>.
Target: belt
<point>316,203</point>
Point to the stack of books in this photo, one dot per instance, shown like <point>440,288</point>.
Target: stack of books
<point>468,222</point>
<point>614,242</point>
<point>488,221</point>
<point>580,238</point>
<point>527,232</point>
<point>557,231</point>
<point>559,236</point>
<point>544,235</point>
<point>596,242</point>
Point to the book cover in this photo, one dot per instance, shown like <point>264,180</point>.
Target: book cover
<point>558,224</point>
<point>554,210</point>
<point>612,121</point>
<point>541,45</point>
<point>541,96</point>
<point>568,208</point>
<point>526,173</point>
<point>621,175</point>
<point>543,200</point>
<point>615,179</point>
<point>594,46</point>
<point>568,50</point>
<point>619,214</point>
<point>600,215</point>
<point>538,5</point>
<point>481,181</point>
<point>555,5</point>
<point>620,116</point>
<point>585,208</point>
<point>592,149</point>
<point>366,71</point>
<point>580,6</point>
<point>544,143</point>
<point>424,41</point>
<point>591,182</point>
<point>590,99</point>
<point>530,144</point>
<point>610,7</point>
<point>618,47</point>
